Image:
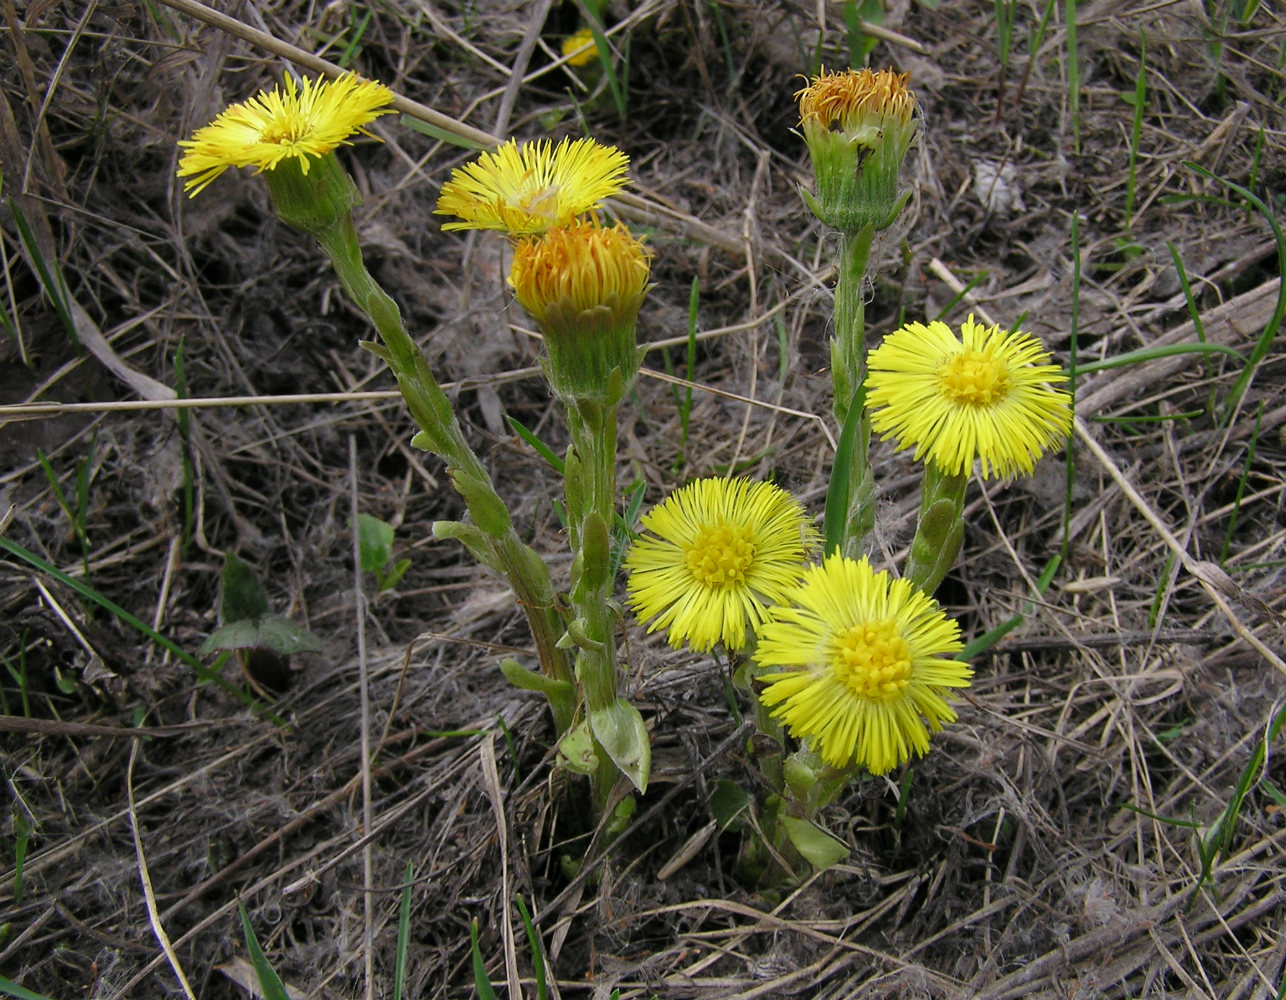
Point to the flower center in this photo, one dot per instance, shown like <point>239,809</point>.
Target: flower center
<point>286,131</point>
<point>872,660</point>
<point>720,555</point>
<point>974,379</point>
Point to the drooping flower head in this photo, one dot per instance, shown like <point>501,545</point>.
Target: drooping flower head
<point>863,665</point>
<point>583,284</point>
<point>859,125</point>
<point>988,395</point>
<point>527,190</point>
<point>297,123</point>
<point>716,552</point>
<point>579,49</point>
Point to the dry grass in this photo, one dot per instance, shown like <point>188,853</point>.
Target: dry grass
<point>1041,851</point>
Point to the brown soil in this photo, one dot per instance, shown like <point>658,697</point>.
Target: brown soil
<point>1049,845</point>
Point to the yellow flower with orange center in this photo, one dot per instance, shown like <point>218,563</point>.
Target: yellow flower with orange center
<point>713,555</point>
<point>858,665</point>
<point>299,123</point>
<point>989,394</point>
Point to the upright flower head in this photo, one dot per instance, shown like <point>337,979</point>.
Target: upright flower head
<point>987,395</point>
<point>531,189</point>
<point>716,553</point>
<point>583,284</point>
<point>865,667</point>
<point>858,125</point>
<point>299,123</point>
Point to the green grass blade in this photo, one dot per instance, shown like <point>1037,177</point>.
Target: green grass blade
<point>614,84</point>
<point>987,640</point>
<point>440,134</point>
<point>49,273</point>
<point>835,519</point>
<point>481,982</point>
<point>84,590</point>
<point>543,450</point>
<point>403,933</point>
<point>1136,127</point>
<point>537,956</point>
<point>12,989</point>
<point>1241,484</point>
<point>270,983</point>
<point>1152,353</point>
<point>1265,342</point>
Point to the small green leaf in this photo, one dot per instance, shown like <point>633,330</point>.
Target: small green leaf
<point>375,541</point>
<point>270,983</point>
<point>728,804</point>
<point>818,847</point>
<point>576,750</point>
<point>620,730</point>
<point>274,632</point>
<point>243,595</point>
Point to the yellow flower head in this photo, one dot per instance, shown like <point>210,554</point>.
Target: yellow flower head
<point>529,190</point>
<point>857,98</point>
<point>859,125</point>
<point>865,665</point>
<point>717,552</point>
<point>583,284</point>
<point>987,395</point>
<point>579,49</point>
<point>299,122</point>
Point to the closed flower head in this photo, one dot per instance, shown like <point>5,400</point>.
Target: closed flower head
<point>859,125</point>
<point>988,395</point>
<point>714,554</point>
<point>857,665</point>
<point>527,190</point>
<point>295,123</point>
<point>583,284</point>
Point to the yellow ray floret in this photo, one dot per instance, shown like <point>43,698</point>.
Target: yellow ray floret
<point>715,553</point>
<point>865,665</point>
<point>988,395</point>
<point>527,190</point>
<point>299,121</point>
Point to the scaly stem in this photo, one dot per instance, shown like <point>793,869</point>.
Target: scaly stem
<point>522,566</point>
<point>848,370</point>
<point>940,529</point>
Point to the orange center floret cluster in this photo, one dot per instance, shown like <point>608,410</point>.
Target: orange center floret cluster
<point>872,660</point>
<point>974,378</point>
<point>721,555</point>
<point>583,265</point>
<point>843,98</point>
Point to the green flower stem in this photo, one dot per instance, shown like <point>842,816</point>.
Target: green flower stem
<point>848,361</point>
<point>620,735</point>
<point>940,529</point>
<point>521,565</point>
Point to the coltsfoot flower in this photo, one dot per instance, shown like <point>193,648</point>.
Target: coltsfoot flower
<point>527,190</point>
<point>988,395</point>
<point>865,665</point>
<point>717,552</point>
<point>583,284</point>
<point>579,49</point>
<point>859,125</point>
<point>294,122</point>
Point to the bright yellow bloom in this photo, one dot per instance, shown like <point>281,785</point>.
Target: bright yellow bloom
<point>718,552</point>
<point>531,189</point>
<point>583,284</point>
<point>859,125</point>
<point>579,49</point>
<point>987,395</point>
<point>868,668</point>
<point>300,122</point>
